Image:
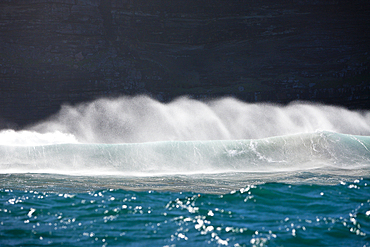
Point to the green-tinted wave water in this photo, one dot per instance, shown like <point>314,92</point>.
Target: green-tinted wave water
<point>283,153</point>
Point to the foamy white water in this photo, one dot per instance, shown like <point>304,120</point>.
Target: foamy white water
<point>33,138</point>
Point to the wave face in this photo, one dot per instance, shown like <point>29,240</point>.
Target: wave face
<point>140,136</point>
<point>274,154</point>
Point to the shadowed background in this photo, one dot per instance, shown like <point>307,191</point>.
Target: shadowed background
<point>70,51</point>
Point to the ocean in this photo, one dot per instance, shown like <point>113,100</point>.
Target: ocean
<point>131,171</point>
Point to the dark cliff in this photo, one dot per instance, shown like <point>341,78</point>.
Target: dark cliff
<point>56,51</point>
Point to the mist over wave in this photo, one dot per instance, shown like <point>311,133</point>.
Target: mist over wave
<point>142,119</point>
<point>141,136</point>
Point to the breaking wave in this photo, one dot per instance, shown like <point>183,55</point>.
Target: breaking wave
<point>140,136</point>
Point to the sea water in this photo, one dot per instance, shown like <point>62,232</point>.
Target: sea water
<point>136,172</point>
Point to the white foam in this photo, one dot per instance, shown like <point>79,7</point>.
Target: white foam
<point>33,138</point>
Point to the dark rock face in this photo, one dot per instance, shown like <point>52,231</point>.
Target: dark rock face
<point>57,51</point>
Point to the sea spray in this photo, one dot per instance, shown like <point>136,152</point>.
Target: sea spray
<point>142,119</point>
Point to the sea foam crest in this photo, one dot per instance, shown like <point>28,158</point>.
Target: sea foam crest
<point>33,138</point>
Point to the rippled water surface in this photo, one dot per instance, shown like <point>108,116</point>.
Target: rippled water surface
<point>260,214</point>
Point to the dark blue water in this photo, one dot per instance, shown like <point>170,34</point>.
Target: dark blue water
<point>266,214</point>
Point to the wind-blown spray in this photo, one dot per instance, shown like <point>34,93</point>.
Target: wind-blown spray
<point>142,119</point>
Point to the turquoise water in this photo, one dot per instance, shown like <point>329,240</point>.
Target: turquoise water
<point>267,214</point>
